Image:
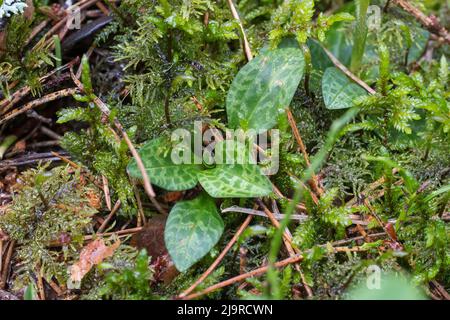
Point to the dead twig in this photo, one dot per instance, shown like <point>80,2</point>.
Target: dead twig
<point>36,30</point>
<point>294,259</point>
<point>4,275</point>
<point>218,259</point>
<point>299,181</point>
<point>345,70</point>
<point>141,215</point>
<point>109,217</point>
<point>244,276</point>
<point>105,110</point>
<point>40,283</point>
<point>7,103</point>
<point>66,160</point>
<point>115,233</point>
<point>35,103</point>
<point>83,4</point>
<point>279,216</point>
<point>28,159</point>
<point>314,181</point>
<point>106,192</point>
<point>119,233</point>
<point>431,23</point>
<point>59,292</point>
<point>50,133</point>
<point>299,217</point>
<point>441,290</point>
<point>287,239</point>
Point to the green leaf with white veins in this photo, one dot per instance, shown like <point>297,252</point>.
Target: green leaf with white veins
<point>263,88</point>
<point>338,91</point>
<point>236,174</point>
<point>235,181</point>
<point>192,229</point>
<point>161,170</point>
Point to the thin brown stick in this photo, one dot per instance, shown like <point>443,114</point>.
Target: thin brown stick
<point>83,4</point>
<point>218,259</point>
<point>99,235</point>
<point>106,192</point>
<point>314,197</point>
<point>4,275</point>
<point>430,22</point>
<point>314,181</point>
<point>294,259</point>
<point>36,30</point>
<point>344,69</point>
<point>141,215</point>
<point>299,206</point>
<point>66,160</point>
<point>40,283</point>
<point>7,103</point>
<point>441,290</point>
<point>350,240</point>
<point>109,217</point>
<point>287,239</point>
<point>146,180</point>
<point>117,233</point>
<point>102,8</point>
<point>35,103</point>
<point>1,256</point>
<point>59,292</point>
<point>244,276</point>
<point>247,50</point>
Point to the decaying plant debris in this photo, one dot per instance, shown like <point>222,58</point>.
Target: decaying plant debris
<point>92,205</point>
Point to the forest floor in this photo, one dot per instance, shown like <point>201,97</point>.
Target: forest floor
<point>344,194</point>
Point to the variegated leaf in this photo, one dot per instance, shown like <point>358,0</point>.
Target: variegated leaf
<point>192,229</point>
<point>162,171</point>
<point>235,181</point>
<point>263,88</point>
<point>338,91</point>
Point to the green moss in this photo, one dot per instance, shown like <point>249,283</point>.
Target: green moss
<point>50,205</point>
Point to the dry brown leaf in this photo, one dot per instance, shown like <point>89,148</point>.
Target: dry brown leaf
<point>92,254</point>
<point>151,237</point>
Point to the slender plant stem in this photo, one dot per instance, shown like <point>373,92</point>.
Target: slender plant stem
<point>359,35</point>
<point>247,50</point>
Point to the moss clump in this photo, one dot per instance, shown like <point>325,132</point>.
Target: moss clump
<point>50,206</point>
